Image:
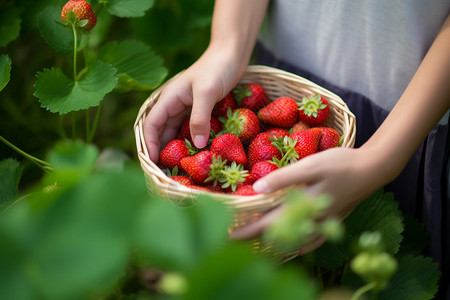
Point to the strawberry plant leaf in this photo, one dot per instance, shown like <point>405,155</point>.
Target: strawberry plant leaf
<point>55,34</point>
<point>176,238</point>
<point>10,173</point>
<point>246,275</point>
<point>71,162</point>
<point>379,212</point>
<point>416,279</point>
<point>138,67</point>
<point>10,23</point>
<point>75,245</point>
<point>129,8</point>
<point>60,94</point>
<point>5,70</point>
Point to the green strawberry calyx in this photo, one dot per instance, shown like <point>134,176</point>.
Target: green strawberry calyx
<point>217,166</point>
<point>311,105</point>
<point>232,175</point>
<point>232,123</point>
<point>241,92</point>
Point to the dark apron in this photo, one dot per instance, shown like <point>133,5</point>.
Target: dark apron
<point>422,187</point>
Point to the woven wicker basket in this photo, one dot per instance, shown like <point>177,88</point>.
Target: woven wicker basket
<point>247,209</point>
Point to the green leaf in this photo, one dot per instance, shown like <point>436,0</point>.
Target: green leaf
<point>236,273</point>
<point>416,279</point>
<point>377,213</point>
<point>10,173</point>
<point>76,245</point>
<point>5,70</point>
<point>60,94</point>
<point>129,8</point>
<point>55,34</point>
<point>138,67</point>
<point>415,237</point>
<point>176,238</point>
<point>71,162</point>
<point>10,22</point>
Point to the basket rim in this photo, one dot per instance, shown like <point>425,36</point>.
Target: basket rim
<point>261,200</point>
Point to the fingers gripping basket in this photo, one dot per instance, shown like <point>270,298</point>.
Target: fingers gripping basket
<point>246,209</point>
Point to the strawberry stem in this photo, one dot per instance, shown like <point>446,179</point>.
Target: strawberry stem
<point>75,49</point>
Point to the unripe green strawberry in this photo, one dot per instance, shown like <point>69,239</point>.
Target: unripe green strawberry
<point>282,112</point>
<point>82,11</point>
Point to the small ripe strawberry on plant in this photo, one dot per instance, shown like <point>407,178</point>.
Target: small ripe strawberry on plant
<point>230,148</point>
<point>282,112</point>
<point>314,110</point>
<point>185,129</point>
<point>83,13</point>
<point>221,107</point>
<point>251,96</point>
<point>262,147</point>
<point>242,122</point>
<point>306,141</point>
<point>171,155</point>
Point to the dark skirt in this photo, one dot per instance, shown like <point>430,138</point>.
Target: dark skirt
<point>422,189</point>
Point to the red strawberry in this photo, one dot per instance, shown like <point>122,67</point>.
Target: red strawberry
<point>314,110</point>
<point>306,141</point>
<point>184,180</point>
<point>82,11</point>
<point>242,122</point>
<point>282,112</point>
<point>171,155</point>
<point>277,132</point>
<point>262,168</point>
<point>230,148</point>
<point>262,148</point>
<point>221,107</point>
<point>330,138</point>
<point>245,190</point>
<point>251,96</point>
<point>198,166</point>
<point>299,126</point>
<point>185,129</point>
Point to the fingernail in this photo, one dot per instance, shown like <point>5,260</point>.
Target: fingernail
<point>260,186</point>
<point>200,141</point>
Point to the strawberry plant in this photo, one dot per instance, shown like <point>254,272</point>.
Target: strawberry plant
<point>76,218</point>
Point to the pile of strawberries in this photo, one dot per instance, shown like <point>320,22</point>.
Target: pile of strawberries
<point>250,137</point>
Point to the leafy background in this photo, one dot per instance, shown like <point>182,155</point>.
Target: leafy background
<point>76,220</point>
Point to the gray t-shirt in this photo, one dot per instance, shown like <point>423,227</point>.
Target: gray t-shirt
<point>372,47</point>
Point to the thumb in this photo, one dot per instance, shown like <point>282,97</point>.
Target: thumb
<point>200,125</point>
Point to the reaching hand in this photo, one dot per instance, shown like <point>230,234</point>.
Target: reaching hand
<point>348,175</point>
<point>194,91</point>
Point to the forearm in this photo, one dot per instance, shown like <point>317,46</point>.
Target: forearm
<point>235,26</point>
<point>418,110</point>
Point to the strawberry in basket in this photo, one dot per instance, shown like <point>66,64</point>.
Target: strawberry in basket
<point>251,96</point>
<point>314,110</point>
<point>241,122</point>
<point>282,112</point>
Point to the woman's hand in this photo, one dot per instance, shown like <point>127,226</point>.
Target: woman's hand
<point>348,175</point>
<point>195,92</point>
